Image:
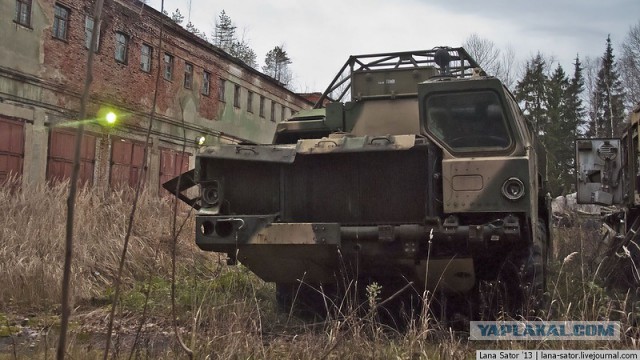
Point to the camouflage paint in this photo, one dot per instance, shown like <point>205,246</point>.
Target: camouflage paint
<point>342,143</point>
<point>385,119</point>
<point>474,184</point>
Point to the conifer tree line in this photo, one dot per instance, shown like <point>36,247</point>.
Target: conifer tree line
<point>225,36</point>
<point>553,102</point>
<point>591,99</point>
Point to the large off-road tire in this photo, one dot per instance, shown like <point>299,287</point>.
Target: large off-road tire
<point>519,290</point>
<point>533,275</point>
<point>303,300</point>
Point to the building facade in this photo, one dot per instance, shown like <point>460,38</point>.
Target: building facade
<point>141,59</point>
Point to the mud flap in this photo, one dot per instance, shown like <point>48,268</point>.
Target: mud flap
<point>180,183</point>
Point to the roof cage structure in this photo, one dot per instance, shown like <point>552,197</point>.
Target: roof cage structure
<point>458,63</point>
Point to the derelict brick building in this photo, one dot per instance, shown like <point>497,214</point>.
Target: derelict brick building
<point>201,90</point>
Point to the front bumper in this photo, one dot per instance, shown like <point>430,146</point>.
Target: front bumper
<point>220,233</point>
<point>318,252</point>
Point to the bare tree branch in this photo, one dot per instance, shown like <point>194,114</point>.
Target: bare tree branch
<point>494,61</point>
<point>484,51</point>
<point>117,281</point>
<point>630,65</point>
<point>73,187</point>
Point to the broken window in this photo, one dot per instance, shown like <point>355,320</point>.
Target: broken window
<point>250,101</point>
<point>88,31</point>
<point>146,54</point>
<point>273,111</point>
<point>168,67</point>
<point>261,106</point>
<point>206,83</point>
<point>221,85</point>
<point>122,43</point>
<point>188,75</point>
<point>236,96</point>
<point>23,12</point>
<point>60,22</point>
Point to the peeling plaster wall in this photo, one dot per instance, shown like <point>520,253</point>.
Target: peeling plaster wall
<point>44,76</point>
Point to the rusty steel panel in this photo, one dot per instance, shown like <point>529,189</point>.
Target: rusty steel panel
<point>11,148</point>
<point>172,164</point>
<point>127,160</point>
<point>61,152</point>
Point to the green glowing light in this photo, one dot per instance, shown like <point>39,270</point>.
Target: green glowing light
<point>200,140</point>
<point>111,117</point>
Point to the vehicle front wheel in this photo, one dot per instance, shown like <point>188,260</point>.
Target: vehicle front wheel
<point>519,291</point>
<point>532,276</point>
<point>303,300</point>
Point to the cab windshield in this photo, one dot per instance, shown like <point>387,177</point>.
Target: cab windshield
<point>468,121</point>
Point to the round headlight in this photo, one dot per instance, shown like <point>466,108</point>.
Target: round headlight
<point>513,188</point>
<point>210,194</point>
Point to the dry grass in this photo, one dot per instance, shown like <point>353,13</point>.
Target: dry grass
<point>225,312</point>
<point>32,229</point>
<point>578,287</point>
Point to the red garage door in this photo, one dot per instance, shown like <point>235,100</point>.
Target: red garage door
<point>127,159</point>
<point>11,147</point>
<point>172,164</point>
<point>60,160</point>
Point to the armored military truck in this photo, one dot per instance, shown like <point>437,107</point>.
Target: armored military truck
<point>414,169</point>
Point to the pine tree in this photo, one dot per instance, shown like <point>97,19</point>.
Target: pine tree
<point>554,105</point>
<point>574,121</point>
<point>244,52</point>
<point>608,98</point>
<point>194,30</point>
<point>224,34</point>
<point>177,17</point>
<point>224,37</point>
<point>531,93</point>
<point>277,65</point>
<point>558,133</point>
<point>575,108</point>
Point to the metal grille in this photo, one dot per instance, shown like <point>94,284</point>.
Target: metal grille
<point>349,188</point>
<point>357,188</point>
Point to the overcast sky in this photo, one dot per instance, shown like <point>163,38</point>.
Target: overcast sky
<point>320,35</point>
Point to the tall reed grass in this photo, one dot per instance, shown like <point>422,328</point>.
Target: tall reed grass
<point>32,230</point>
